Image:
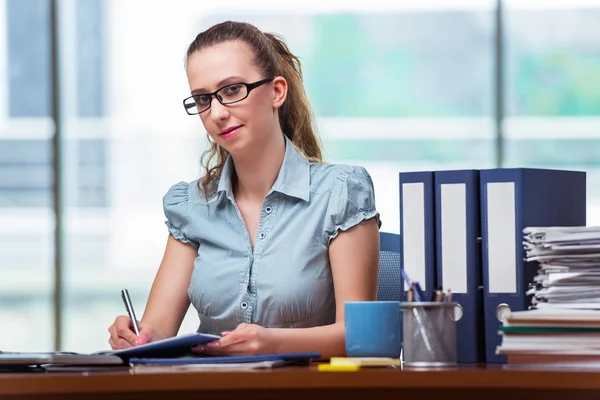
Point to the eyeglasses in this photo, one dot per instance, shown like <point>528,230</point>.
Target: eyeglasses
<point>229,94</point>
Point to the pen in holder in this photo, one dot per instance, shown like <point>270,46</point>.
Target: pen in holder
<point>429,332</point>
<point>418,318</point>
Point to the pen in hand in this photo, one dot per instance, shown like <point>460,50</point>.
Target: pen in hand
<point>130,312</point>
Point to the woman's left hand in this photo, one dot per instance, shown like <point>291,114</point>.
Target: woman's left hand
<point>246,339</point>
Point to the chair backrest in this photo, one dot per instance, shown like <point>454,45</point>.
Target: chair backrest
<point>390,284</point>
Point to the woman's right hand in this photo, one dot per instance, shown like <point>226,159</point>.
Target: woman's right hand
<point>122,335</point>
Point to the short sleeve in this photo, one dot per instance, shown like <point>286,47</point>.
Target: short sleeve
<point>352,201</point>
<point>175,205</point>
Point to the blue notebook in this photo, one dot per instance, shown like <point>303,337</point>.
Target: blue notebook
<point>290,357</point>
<point>167,348</point>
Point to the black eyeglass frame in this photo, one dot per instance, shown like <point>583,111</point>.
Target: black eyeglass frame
<point>249,88</point>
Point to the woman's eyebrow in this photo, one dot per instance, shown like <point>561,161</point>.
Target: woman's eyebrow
<point>221,83</point>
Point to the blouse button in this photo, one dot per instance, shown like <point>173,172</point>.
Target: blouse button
<point>244,305</point>
<point>262,235</point>
<point>268,209</point>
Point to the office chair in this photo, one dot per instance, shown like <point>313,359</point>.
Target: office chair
<point>390,284</point>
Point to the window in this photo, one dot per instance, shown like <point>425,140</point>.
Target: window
<point>26,175</point>
<point>26,231</point>
<point>553,89</point>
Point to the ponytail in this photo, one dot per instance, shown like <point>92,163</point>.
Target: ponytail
<point>295,115</point>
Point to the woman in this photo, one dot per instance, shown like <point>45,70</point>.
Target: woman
<point>270,238</point>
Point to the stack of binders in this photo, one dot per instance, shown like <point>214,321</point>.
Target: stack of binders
<point>462,230</point>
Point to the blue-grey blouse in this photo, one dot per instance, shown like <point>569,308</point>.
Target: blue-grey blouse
<point>285,281</point>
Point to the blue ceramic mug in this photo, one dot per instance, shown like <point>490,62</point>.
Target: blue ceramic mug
<point>373,328</point>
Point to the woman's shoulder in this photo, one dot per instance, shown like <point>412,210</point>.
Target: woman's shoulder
<point>351,199</point>
<point>176,209</point>
<point>327,176</point>
<point>177,193</point>
<point>186,192</point>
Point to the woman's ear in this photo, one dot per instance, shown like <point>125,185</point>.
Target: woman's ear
<point>280,89</point>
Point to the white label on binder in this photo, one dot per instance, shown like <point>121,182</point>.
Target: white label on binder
<point>501,238</point>
<point>454,236</point>
<point>413,235</point>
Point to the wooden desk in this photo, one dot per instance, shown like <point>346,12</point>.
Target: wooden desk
<point>466,382</point>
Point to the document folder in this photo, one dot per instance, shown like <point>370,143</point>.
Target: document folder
<point>512,199</point>
<point>288,357</point>
<point>170,347</point>
<point>459,255</point>
<point>417,230</point>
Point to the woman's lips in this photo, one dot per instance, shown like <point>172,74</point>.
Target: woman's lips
<point>230,132</point>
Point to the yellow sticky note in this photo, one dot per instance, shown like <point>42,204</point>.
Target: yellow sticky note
<point>343,361</point>
<point>336,368</point>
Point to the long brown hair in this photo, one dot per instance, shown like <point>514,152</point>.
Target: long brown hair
<point>273,57</point>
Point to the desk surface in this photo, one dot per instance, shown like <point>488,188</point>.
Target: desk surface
<point>469,382</point>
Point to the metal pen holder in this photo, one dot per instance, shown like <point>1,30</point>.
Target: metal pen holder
<point>429,333</point>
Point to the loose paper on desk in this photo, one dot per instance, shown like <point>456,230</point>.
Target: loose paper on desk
<point>154,368</point>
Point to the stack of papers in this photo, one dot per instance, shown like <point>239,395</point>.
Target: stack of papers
<point>568,337</point>
<point>562,326</point>
<point>569,266</point>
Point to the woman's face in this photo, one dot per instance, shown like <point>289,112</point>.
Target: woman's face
<point>239,126</point>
